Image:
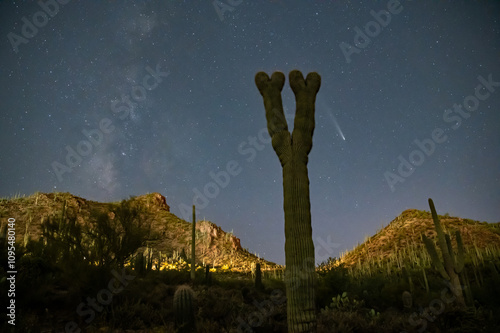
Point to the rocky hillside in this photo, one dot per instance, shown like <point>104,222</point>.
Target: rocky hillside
<point>401,238</point>
<point>170,235</point>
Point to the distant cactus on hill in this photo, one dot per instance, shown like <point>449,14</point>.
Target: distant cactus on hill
<point>452,265</point>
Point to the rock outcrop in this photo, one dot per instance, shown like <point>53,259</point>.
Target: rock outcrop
<point>214,232</point>
<point>154,200</point>
<point>161,202</point>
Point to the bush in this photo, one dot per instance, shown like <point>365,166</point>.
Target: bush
<point>115,236</point>
<point>330,283</point>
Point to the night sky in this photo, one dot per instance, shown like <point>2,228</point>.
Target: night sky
<point>108,99</point>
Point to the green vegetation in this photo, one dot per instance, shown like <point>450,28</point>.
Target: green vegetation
<point>368,290</point>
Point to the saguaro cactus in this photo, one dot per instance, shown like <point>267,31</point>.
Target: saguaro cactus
<point>208,276</point>
<point>293,151</point>
<point>452,265</point>
<point>62,219</point>
<point>407,299</point>
<point>258,277</point>
<point>184,309</point>
<point>139,263</point>
<point>193,245</point>
<point>27,237</point>
<point>149,259</point>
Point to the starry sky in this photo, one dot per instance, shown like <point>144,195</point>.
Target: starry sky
<point>108,99</point>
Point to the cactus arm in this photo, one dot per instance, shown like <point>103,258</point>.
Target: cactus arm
<point>449,260</point>
<point>443,244</point>
<point>305,95</point>
<point>431,249</point>
<point>270,89</point>
<point>449,246</point>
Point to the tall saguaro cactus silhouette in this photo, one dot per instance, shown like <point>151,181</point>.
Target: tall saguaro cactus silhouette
<point>293,151</point>
<point>193,244</point>
<point>452,265</point>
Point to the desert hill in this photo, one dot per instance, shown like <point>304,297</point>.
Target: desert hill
<point>170,236</point>
<point>387,284</point>
<point>400,241</point>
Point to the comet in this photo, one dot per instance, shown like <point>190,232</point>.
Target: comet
<point>339,130</point>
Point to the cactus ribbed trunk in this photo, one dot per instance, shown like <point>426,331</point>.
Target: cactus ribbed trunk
<point>258,277</point>
<point>292,151</point>
<point>184,310</point>
<point>299,250</point>
<point>193,244</point>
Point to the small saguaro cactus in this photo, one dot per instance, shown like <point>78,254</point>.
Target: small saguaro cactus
<point>139,263</point>
<point>149,262</point>
<point>193,245</point>
<point>452,265</point>
<point>184,309</point>
<point>293,150</point>
<point>258,277</point>
<point>208,277</point>
<point>62,219</point>
<point>27,237</point>
<point>407,299</point>
<point>3,235</point>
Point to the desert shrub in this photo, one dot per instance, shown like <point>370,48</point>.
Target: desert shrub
<point>175,277</point>
<point>370,288</point>
<point>331,282</point>
<point>109,239</point>
<point>342,321</point>
<point>487,294</point>
<point>134,314</point>
<point>274,284</point>
<point>25,322</point>
<point>115,237</point>
<point>344,303</point>
<point>33,271</point>
<point>34,282</point>
<point>211,326</point>
<point>219,304</point>
<point>231,283</point>
<point>73,249</point>
<point>390,293</point>
<point>457,320</point>
<point>331,321</point>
